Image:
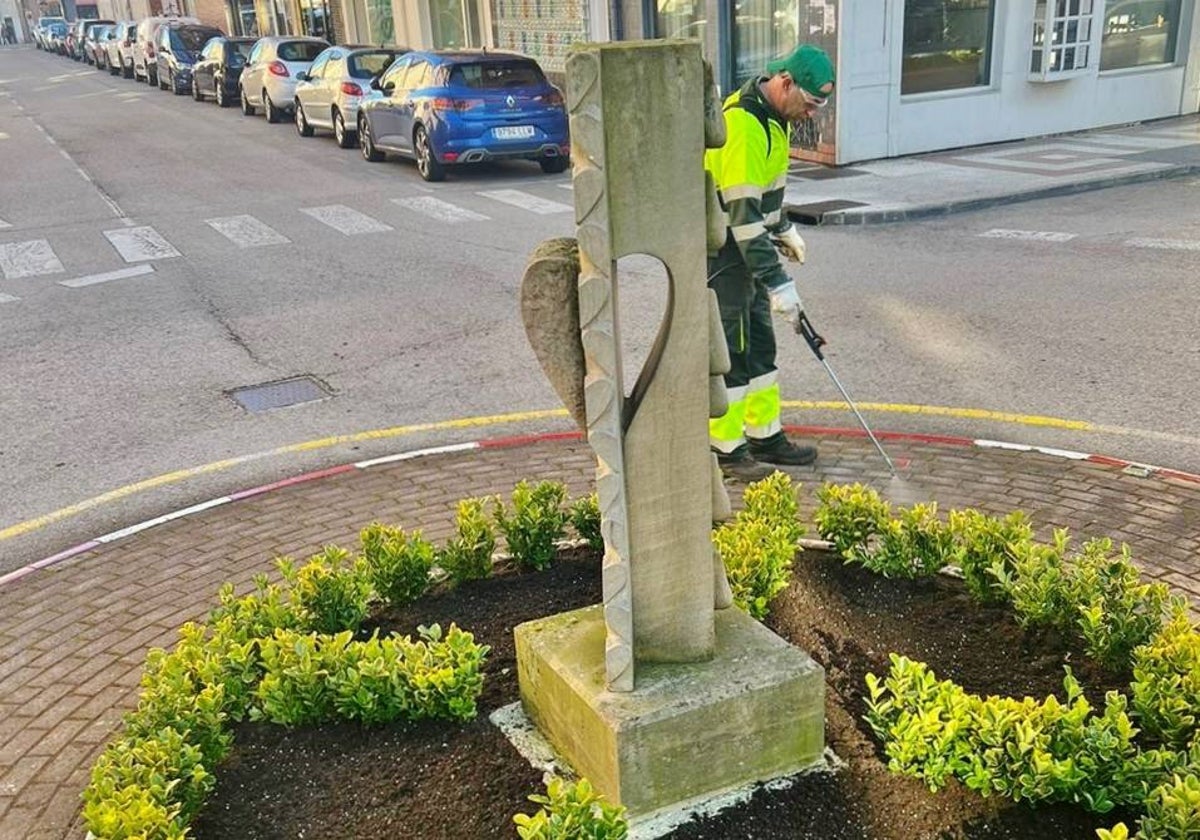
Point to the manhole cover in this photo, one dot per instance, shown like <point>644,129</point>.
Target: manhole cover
<point>285,392</point>
<point>814,213</point>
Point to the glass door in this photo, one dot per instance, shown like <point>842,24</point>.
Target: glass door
<point>455,24</point>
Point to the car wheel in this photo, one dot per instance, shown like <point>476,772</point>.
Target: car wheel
<point>302,125</point>
<point>128,72</point>
<point>344,138</point>
<point>219,85</point>
<point>196,90</point>
<point>113,70</point>
<point>427,163</point>
<point>554,165</point>
<point>247,108</point>
<point>269,108</point>
<point>175,89</point>
<point>367,143</point>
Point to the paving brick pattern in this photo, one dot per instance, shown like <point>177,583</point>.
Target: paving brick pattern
<point>73,636</point>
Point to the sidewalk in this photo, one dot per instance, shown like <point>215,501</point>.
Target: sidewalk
<point>74,633</point>
<point>907,188</point>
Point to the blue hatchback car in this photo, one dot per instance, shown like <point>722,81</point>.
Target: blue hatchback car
<point>444,108</point>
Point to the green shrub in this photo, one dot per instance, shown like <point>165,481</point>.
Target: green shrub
<point>914,545</point>
<point>1025,750</point>
<point>397,563</point>
<point>468,554</point>
<point>773,500</point>
<point>986,549</point>
<point>330,592</point>
<point>585,519</point>
<point>849,514</point>
<point>1091,593</point>
<point>261,613</point>
<point>166,766</point>
<point>572,811</point>
<point>129,813</point>
<point>313,678</point>
<point>1166,680</point>
<point>1173,810</point>
<point>536,522</point>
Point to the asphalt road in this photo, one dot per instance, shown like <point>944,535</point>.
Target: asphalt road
<point>409,319</point>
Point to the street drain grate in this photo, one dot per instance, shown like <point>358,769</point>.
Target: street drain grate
<point>285,392</point>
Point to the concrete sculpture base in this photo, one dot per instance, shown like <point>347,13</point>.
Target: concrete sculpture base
<point>754,712</point>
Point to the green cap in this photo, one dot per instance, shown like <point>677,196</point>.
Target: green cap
<point>808,66</point>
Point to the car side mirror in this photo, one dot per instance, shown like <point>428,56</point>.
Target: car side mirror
<point>389,87</point>
<point>375,83</point>
<point>303,77</point>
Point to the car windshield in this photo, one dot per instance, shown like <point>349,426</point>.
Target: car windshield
<point>192,38</point>
<point>300,50</point>
<point>239,51</point>
<point>370,65</point>
<point>493,75</point>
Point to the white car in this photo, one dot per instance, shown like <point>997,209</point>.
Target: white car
<point>145,62</point>
<point>269,78</point>
<point>119,49</point>
<point>328,93</point>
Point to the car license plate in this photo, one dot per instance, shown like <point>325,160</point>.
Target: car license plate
<point>512,132</point>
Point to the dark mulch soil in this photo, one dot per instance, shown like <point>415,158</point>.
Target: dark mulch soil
<point>440,780</point>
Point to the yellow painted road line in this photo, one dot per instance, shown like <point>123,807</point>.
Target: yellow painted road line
<point>1035,420</point>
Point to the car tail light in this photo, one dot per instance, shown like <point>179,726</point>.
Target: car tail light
<point>446,103</point>
<point>278,68</point>
<point>351,89</point>
<point>554,98</point>
<point>449,157</point>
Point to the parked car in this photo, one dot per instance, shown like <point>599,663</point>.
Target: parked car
<point>144,67</point>
<point>445,108</point>
<point>119,49</point>
<point>41,31</point>
<point>176,47</point>
<point>269,77</point>
<point>328,93</point>
<point>77,37</point>
<point>54,37</point>
<point>218,69</point>
<point>93,43</point>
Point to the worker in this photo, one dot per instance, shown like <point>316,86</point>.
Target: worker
<point>750,173</point>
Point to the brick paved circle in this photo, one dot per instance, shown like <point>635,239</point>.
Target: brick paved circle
<point>73,636</point>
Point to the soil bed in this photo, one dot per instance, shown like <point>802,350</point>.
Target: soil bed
<point>442,780</point>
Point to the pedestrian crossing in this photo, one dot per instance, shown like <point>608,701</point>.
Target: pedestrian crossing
<point>138,246</point>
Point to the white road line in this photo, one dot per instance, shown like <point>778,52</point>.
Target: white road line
<point>443,211</point>
<point>525,201</point>
<point>119,274</point>
<point>566,186</point>
<point>4,224</point>
<point>1029,235</point>
<point>1166,244</point>
<point>8,298</point>
<point>28,259</point>
<point>138,244</point>
<point>247,231</point>
<point>345,220</point>
<point>3,135</point>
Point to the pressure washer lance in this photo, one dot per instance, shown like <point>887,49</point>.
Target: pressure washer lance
<point>815,342</point>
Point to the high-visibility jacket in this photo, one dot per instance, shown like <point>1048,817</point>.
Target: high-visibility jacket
<point>750,173</point>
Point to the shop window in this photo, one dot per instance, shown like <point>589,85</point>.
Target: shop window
<point>314,18</point>
<point>1138,32</point>
<point>380,25</point>
<point>680,19</point>
<point>1062,39</point>
<point>455,24</point>
<point>947,45</point>
<point>763,30</point>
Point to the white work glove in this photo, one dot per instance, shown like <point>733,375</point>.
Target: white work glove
<point>790,244</point>
<point>785,301</point>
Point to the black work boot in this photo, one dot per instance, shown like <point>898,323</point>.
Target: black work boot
<point>740,464</point>
<point>777,449</point>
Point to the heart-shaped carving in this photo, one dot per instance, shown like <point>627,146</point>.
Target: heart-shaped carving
<point>550,310</point>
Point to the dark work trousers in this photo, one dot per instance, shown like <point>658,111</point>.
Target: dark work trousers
<point>746,316</point>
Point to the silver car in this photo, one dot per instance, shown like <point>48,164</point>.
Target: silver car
<point>119,49</point>
<point>269,78</point>
<point>328,93</point>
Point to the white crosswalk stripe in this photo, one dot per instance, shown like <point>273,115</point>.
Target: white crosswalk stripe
<point>1166,244</point>
<point>247,231</point>
<point>28,259</point>
<point>1029,235</point>
<point>138,244</point>
<point>345,220</point>
<point>527,201</point>
<point>442,211</point>
<point>119,274</point>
